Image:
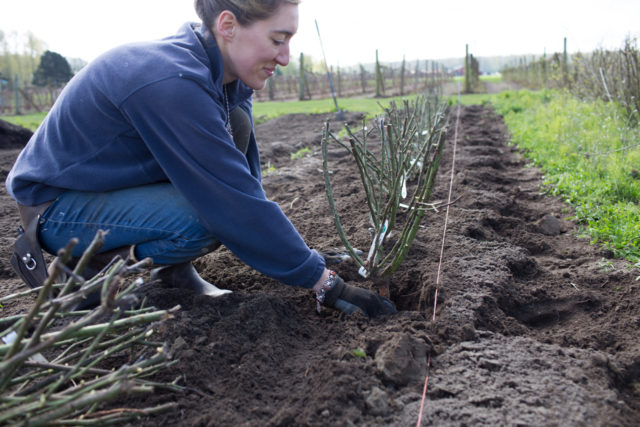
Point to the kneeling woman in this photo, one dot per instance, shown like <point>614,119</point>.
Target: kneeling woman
<point>154,142</point>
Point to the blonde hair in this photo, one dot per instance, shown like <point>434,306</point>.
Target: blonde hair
<point>246,11</point>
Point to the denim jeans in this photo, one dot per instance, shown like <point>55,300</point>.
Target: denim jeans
<point>155,218</point>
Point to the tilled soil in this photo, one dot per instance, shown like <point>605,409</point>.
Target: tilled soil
<point>533,325</point>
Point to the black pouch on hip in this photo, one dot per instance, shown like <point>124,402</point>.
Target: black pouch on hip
<point>27,259</point>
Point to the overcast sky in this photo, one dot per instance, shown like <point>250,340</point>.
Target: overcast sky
<point>351,30</point>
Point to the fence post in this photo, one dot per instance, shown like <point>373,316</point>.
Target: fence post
<point>3,83</point>
<point>363,78</point>
<point>425,81</point>
<point>402,76</point>
<point>271,88</point>
<point>565,65</point>
<point>467,71</point>
<point>301,79</point>
<point>544,69</point>
<point>16,90</point>
<point>379,82</point>
<point>434,77</point>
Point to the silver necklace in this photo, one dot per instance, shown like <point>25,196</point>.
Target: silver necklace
<point>227,123</point>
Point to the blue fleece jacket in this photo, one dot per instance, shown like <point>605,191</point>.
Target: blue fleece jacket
<point>155,111</point>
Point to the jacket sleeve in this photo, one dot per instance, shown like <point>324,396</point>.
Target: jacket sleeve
<point>183,127</point>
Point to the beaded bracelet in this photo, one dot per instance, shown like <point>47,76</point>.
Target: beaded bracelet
<point>327,285</point>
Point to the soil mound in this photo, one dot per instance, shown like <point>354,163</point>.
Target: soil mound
<point>12,136</point>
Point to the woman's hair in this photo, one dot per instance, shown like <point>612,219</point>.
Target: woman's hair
<point>246,11</point>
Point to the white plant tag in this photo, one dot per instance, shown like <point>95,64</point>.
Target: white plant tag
<point>363,272</point>
<point>10,338</point>
<point>404,187</point>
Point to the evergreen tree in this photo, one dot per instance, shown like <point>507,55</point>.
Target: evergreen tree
<point>54,70</point>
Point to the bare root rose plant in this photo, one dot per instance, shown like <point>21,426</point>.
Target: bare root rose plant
<point>397,172</point>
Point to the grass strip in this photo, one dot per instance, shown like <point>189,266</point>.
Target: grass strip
<point>590,156</point>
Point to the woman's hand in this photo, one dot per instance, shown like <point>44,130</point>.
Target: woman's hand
<point>335,293</point>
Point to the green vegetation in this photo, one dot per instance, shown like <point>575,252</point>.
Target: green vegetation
<point>269,168</point>
<point>29,121</point>
<point>477,97</point>
<point>358,352</point>
<point>263,111</point>
<point>606,265</point>
<point>590,156</point>
<point>493,78</point>
<point>300,153</point>
<point>471,99</point>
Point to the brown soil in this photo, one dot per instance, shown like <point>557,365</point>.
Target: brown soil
<point>530,329</point>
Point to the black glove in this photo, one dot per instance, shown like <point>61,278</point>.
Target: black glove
<point>337,255</point>
<point>349,299</point>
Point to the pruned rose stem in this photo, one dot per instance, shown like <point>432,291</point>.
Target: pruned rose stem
<point>404,165</point>
<point>70,386</point>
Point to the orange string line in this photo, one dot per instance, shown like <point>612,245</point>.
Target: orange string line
<point>444,234</point>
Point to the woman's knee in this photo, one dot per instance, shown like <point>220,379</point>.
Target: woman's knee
<point>147,216</point>
<point>177,250</point>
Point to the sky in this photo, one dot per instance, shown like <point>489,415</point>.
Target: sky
<point>351,30</point>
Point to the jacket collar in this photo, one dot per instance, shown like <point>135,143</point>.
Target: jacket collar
<point>237,91</point>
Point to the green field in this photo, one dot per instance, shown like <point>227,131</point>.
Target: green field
<point>29,121</point>
<point>263,111</point>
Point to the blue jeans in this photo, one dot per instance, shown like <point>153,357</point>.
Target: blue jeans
<point>155,218</point>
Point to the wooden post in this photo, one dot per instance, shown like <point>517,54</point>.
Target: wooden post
<point>363,79</point>
<point>271,88</point>
<point>379,83</point>
<point>402,68</point>
<point>544,69</point>
<point>467,71</point>
<point>434,81</point>
<point>16,89</point>
<point>301,79</point>
<point>565,65</point>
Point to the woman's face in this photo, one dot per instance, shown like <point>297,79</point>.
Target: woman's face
<point>255,50</point>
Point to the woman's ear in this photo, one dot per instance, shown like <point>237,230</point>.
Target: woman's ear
<point>225,25</point>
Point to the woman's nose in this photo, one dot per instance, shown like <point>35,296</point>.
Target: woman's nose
<point>283,55</point>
